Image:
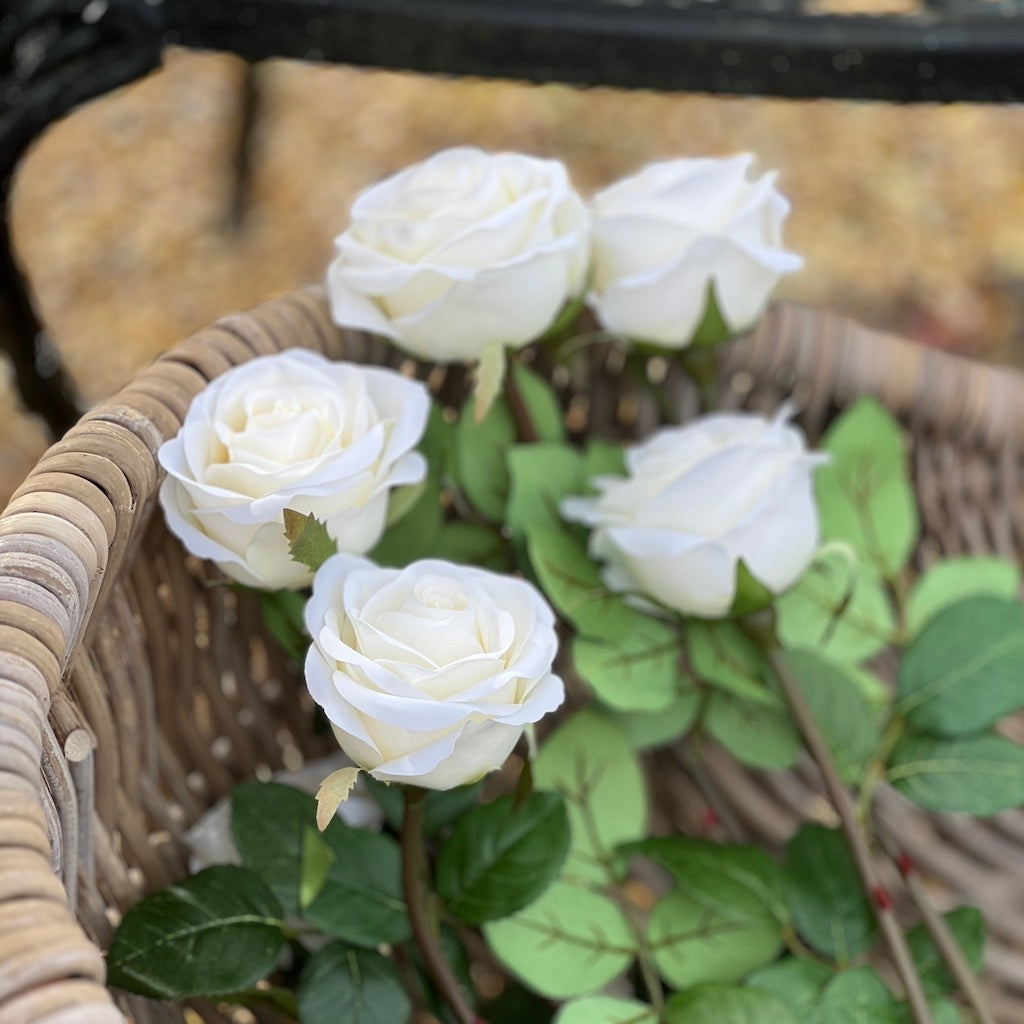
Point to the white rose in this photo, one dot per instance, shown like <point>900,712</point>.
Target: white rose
<point>461,252</point>
<point>698,500</point>
<point>662,236</point>
<point>292,430</point>
<point>429,674</point>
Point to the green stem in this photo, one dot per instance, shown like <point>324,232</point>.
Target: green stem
<point>414,866</point>
<point>701,365</point>
<point>525,428</point>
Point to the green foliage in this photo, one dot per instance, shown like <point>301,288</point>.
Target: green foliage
<point>268,825</point>
<point>760,736</point>
<point>839,709</point>
<point>569,942</point>
<point>955,580</point>
<point>308,539</point>
<point>479,461</point>
<point>218,932</point>
<point>968,928</point>
<point>838,609</point>
<point>317,858</point>
<point>797,981</point>
<point>571,582</point>
<point>858,996</point>
<point>282,615</point>
<point>638,672</point>
<point>719,931</point>
<point>712,329</point>
<point>864,494</point>
<point>603,458</point>
<point>470,544</point>
<point>703,867</point>
<point>415,535</point>
<point>440,808</point>
<point>975,775</point>
<point>963,671</point>
<point>724,657</point>
<point>727,1004</point>
<point>824,894</point>
<point>502,857</point>
<point>540,476</point>
<point>606,1010</point>
<point>589,759</point>
<point>351,985</point>
<point>541,404</point>
<point>650,729</point>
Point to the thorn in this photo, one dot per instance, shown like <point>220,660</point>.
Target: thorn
<point>709,819</point>
<point>905,864</point>
<point>882,898</point>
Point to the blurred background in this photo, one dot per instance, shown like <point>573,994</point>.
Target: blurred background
<point>204,189</point>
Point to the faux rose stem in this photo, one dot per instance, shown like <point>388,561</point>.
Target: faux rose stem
<point>525,428</point>
<point>413,869</point>
<point>877,894</point>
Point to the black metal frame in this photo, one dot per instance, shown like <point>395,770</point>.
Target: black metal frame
<point>56,54</point>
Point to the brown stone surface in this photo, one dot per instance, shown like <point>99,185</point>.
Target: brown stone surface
<point>908,217</point>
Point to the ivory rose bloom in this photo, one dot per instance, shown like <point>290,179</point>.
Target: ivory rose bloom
<point>463,251</point>
<point>291,430</point>
<point>429,674</point>
<point>699,499</point>
<point>662,236</point>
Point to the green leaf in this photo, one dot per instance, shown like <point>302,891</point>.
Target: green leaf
<point>713,329</point>
<point>351,985</point>
<point>837,609</point>
<point>282,612</point>
<point>955,580</point>
<point>571,582</point>
<point>502,857</point>
<point>471,544</point>
<point>719,931</point>
<point>541,475</point>
<point>217,932</point>
<point>824,894</point>
<point>568,942</point>
<point>414,536</point>
<point>602,458</point>
<point>978,775</point>
<point>762,737</point>
<point>798,982</point>
<point>440,808</point>
<point>705,868</point>
<point>864,494</point>
<point>361,899</point>
<point>438,442</point>
<point>858,996</point>
<point>638,672</point>
<point>317,858</point>
<point>268,825</point>
<point>401,500</point>
<point>839,709</point>
<point>722,655</point>
<point>542,405</point>
<point>650,729</point>
<point>727,1004</point>
<point>591,762</point>
<point>480,457</point>
<point>964,670</point>
<point>968,928</point>
<point>308,539</point>
<point>606,1010</point>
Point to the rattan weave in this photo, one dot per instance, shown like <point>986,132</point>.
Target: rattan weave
<point>132,694</point>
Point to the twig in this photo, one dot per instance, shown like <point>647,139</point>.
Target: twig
<point>413,865</point>
<point>881,901</point>
<point>941,934</point>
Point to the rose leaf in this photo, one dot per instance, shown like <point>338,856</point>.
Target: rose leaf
<point>727,1004</point>
<point>308,540</point>
<point>352,985</point>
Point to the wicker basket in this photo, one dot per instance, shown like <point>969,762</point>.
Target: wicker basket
<point>132,696</point>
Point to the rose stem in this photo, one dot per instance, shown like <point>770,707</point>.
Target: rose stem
<point>945,942</point>
<point>877,894</point>
<point>413,871</point>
